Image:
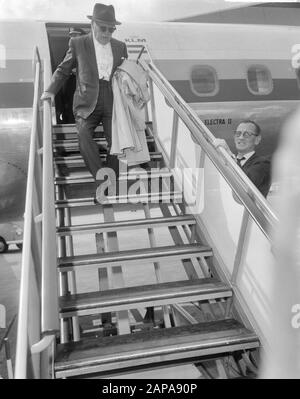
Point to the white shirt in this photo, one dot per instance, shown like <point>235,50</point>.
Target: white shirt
<point>246,157</point>
<point>104,59</point>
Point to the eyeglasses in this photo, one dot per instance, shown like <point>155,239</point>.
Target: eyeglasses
<point>244,134</point>
<point>106,28</point>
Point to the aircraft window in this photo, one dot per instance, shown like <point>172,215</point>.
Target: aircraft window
<point>204,80</point>
<point>259,80</point>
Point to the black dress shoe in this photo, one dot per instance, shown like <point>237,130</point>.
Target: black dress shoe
<point>63,171</point>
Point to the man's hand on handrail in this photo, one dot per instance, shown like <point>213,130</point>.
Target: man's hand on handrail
<point>222,143</point>
<point>47,96</point>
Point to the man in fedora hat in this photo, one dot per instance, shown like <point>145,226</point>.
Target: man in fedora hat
<point>96,57</point>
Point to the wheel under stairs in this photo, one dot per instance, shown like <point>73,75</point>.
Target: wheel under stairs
<point>138,290</point>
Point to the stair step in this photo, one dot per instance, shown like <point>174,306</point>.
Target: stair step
<point>83,177</point>
<point>166,197</point>
<point>155,173</point>
<point>71,128</point>
<point>127,225</point>
<point>73,142</point>
<point>78,160</point>
<point>143,296</point>
<point>86,177</point>
<point>134,256</point>
<point>155,347</point>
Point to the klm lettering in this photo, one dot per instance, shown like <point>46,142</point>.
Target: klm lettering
<point>135,40</point>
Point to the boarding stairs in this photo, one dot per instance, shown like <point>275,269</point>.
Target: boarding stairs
<point>138,286</point>
<point>149,324</point>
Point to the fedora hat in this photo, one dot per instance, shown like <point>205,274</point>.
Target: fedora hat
<point>105,14</point>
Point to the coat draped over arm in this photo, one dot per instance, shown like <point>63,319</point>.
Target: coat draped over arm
<point>129,84</point>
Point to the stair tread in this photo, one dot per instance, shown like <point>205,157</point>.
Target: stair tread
<point>86,174</point>
<point>78,157</point>
<point>74,141</point>
<point>183,251</point>
<point>65,128</point>
<point>130,198</point>
<point>104,350</point>
<point>70,128</point>
<point>75,178</point>
<point>146,293</point>
<point>136,223</point>
<point>86,177</point>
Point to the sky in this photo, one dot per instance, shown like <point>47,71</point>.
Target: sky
<point>126,10</point>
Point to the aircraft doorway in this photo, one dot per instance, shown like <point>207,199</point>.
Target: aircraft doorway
<point>58,37</point>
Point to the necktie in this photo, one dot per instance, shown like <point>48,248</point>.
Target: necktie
<point>239,160</point>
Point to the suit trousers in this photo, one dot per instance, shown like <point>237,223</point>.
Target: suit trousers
<point>86,128</point>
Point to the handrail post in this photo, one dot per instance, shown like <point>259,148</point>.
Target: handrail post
<point>240,247</point>
<point>174,138</point>
<point>153,109</point>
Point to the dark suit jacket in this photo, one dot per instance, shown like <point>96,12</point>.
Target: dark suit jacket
<point>258,169</point>
<point>81,55</point>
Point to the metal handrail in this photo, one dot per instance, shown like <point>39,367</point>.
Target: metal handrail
<point>22,339</point>
<point>242,186</point>
<point>49,322</point>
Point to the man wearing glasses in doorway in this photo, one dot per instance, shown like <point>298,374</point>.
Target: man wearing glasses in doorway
<point>96,57</point>
<point>258,168</point>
